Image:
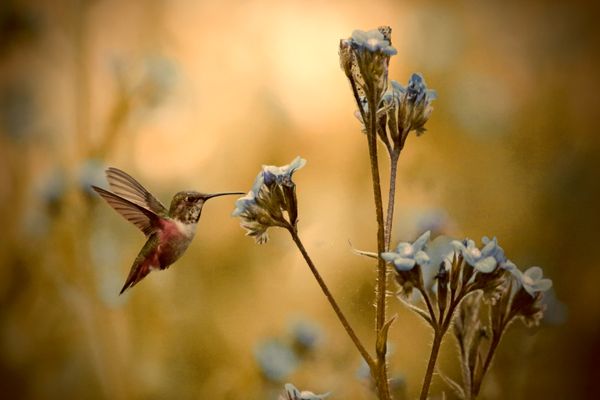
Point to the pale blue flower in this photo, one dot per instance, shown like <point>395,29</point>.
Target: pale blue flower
<point>409,107</point>
<point>497,252</point>
<point>532,280</point>
<point>275,360</point>
<point>292,393</point>
<point>372,41</point>
<point>417,92</point>
<point>407,255</point>
<point>281,175</point>
<point>306,334</point>
<point>483,260</point>
<point>272,197</point>
<point>244,203</point>
<point>255,219</point>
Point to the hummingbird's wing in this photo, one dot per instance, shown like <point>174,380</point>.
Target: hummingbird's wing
<point>124,185</point>
<point>141,217</point>
<point>146,261</point>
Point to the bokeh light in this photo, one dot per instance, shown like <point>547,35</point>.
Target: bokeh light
<point>198,95</point>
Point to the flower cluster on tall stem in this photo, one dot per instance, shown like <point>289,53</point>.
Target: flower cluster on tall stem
<point>464,279</point>
<point>365,58</point>
<point>388,114</point>
<point>452,278</point>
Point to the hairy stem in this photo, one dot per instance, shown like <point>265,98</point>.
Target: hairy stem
<point>486,365</point>
<point>434,320</point>
<point>382,381</point>
<point>389,218</point>
<point>440,329</point>
<point>435,349</point>
<point>361,349</point>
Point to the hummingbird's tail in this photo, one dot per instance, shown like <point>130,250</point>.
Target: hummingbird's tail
<point>141,267</point>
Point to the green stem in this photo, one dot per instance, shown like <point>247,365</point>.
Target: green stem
<point>361,349</point>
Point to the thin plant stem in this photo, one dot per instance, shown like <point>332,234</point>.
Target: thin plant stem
<point>489,358</point>
<point>434,320</point>
<point>381,267</point>
<point>389,218</point>
<point>486,365</point>
<point>440,329</point>
<point>381,292</point>
<point>361,349</point>
<point>435,348</point>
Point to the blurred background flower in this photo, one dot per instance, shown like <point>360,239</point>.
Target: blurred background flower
<point>198,95</point>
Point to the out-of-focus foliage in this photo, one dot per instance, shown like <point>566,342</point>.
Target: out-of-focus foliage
<point>199,95</point>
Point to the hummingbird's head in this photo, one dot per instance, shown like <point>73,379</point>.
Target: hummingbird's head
<point>186,206</point>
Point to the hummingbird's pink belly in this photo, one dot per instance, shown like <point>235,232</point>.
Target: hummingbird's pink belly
<point>172,245</point>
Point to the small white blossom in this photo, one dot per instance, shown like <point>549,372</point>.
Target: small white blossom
<point>407,255</point>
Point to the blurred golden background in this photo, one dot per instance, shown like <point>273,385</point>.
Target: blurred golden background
<point>197,95</point>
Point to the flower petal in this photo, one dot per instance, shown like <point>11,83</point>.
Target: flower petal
<point>458,245</point>
<point>489,247</point>
<point>404,264</point>
<point>389,256</point>
<point>542,285</point>
<point>296,164</point>
<point>421,241</point>
<point>422,258</point>
<point>535,273</point>
<point>510,266</point>
<point>486,265</point>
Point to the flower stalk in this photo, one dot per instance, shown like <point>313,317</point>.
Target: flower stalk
<point>381,292</point>
<point>389,217</point>
<point>336,308</point>
<point>452,278</point>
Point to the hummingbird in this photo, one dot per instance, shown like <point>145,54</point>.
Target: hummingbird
<point>169,232</point>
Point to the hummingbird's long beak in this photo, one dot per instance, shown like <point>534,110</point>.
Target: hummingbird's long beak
<point>210,196</point>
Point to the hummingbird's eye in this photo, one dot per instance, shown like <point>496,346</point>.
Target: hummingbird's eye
<point>188,199</point>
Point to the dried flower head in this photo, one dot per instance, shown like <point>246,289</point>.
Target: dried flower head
<point>271,202</point>
<point>364,58</point>
<point>530,309</point>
